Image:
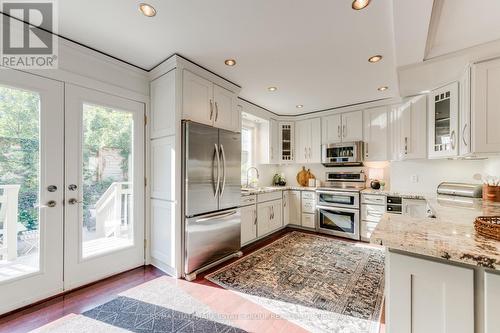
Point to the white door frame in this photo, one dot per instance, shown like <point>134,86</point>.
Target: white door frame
<point>77,270</point>
<point>48,281</point>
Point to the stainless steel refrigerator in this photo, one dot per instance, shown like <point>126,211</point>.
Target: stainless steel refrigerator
<point>211,196</point>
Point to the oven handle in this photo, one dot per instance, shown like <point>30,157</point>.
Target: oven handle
<point>339,209</point>
<point>352,194</point>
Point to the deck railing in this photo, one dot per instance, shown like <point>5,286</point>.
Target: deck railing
<point>9,197</point>
<point>113,209</point>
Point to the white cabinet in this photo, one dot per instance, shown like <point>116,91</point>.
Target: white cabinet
<point>409,129</point>
<point>491,302</point>
<point>294,209</point>
<point>486,107</point>
<point>414,208</point>
<point>344,127</point>
<point>197,98</point>
<point>269,217</point>
<point>443,122</point>
<point>332,129</point>
<point>373,206</point>
<point>376,134</point>
<point>464,117</point>
<point>423,296</point>
<point>273,142</point>
<point>286,140</point>
<point>207,103</point>
<point>163,105</point>
<point>352,126</point>
<point>309,220</point>
<point>225,109</point>
<point>248,224</point>
<point>308,141</point>
<point>308,204</point>
<point>286,207</point>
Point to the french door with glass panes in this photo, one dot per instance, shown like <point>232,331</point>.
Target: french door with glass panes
<point>71,187</point>
<point>104,185</point>
<point>31,188</point>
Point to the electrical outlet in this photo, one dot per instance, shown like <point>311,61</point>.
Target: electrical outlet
<point>414,178</point>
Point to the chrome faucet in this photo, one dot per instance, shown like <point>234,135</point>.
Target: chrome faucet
<point>248,179</point>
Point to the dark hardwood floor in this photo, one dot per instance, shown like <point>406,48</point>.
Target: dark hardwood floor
<point>76,301</point>
<point>88,297</point>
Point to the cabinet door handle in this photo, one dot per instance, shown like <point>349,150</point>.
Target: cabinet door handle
<point>339,132</point>
<point>310,155</point>
<point>305,153</point>
<point>211,109</point>
<point>452,139</point>
<point>255,218</point>
<point>344,131</point>
<point>366,147</point>
<point>406,145</point>
<point>216,111</point>
<point>463,135</point>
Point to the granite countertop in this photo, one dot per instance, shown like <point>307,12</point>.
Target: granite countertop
<point>406,195</point>
<point>268,189</point>
<point>450,236</point>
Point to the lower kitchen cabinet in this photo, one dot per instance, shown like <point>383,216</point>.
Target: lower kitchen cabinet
<point>491,302</point>
<point>248,224</point>
<point>269,217</point>
<point>424,296</point>
<point>309,220</point>
<point>294,209</point>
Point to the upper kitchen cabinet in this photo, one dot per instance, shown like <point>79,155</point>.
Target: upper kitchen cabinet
<point>207,103</point>
<point>346,127</point>
<point>464,117</point>
<point>308,141</point>
<point>376,134</point>
<point>485,104</point>
<point>267,140</point>
<point>286,141</point>
<point>163,105</point>
<point>352,126</point>
<point>443,122</point>
<point>332,129</point>
<point>409,129</point>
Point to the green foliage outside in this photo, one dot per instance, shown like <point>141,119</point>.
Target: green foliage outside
<point>19,148</point>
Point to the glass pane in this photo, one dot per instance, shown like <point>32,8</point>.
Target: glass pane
<point>337,220</point>
<point>19,182</point>
<point>442,124</point>
<point>107,180</point>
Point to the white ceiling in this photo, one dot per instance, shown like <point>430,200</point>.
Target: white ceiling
<point>314,52</point>
<point>465,23</point>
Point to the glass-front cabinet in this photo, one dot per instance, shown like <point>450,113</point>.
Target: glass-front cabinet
<point>286,141</point>
<point>443,122</point>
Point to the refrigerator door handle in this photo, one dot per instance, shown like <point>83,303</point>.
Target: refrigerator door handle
<point>216,216</point>
<point>218,170</point>
<point>223,156</point>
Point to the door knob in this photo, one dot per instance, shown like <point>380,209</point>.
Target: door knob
<point>51,188</point>
<point>51,203</point>
<point>73,201</point>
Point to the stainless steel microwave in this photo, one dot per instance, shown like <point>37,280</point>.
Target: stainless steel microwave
<point>342,154</point>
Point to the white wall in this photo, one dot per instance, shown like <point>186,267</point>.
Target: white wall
<point>398,174</point>
<point>432,172</point>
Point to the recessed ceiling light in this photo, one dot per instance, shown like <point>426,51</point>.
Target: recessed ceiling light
<point>230,62</point>
<point>147,9</point>
<point>375,58</point>
<point>383,88</point>
<point>360,4</point>
<point>299,106</point>
<point>272,88</point>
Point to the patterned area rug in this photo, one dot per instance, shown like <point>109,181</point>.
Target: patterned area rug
<point>320,283</point>
<point>141,317</point>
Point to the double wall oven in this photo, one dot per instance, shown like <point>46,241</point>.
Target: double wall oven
<point>338,206</point>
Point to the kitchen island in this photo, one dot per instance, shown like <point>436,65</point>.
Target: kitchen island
<point>441,276</point>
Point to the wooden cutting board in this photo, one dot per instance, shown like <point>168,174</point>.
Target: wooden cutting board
<point>303,176</point>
